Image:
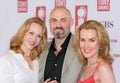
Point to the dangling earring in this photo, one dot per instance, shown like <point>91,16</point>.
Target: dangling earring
<point>100,48</point>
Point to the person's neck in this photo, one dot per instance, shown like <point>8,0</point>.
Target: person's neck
<point>59,42</point>
<point>25,51</point>
<point>92,61</point>
<point>57,45</point>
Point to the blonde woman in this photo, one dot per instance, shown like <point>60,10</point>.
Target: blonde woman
<point>20,64</point>
<point>93,45</point>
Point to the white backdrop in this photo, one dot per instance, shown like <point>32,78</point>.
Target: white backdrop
<point>14,12</point>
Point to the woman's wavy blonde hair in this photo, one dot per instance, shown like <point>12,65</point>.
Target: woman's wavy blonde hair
<point>103,39</point>
<point>16,41</point>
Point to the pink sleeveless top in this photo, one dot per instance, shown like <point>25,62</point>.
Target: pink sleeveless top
<point>91,78</point>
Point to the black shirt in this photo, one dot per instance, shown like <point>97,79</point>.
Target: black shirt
<point>53,68</point>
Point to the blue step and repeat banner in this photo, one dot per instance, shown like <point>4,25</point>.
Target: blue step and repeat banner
<point>14,12</point>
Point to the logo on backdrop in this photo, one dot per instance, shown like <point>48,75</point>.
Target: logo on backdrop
<point>116,55</point>
<point>22,6</point>
<point>60,3</point>
<point>41,12</point>
<point>113,40</point>
<point>103,5</point>
<point>108,24</point>
<point>80,14</point>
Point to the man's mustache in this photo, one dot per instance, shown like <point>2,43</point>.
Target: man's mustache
<point>59,28</point>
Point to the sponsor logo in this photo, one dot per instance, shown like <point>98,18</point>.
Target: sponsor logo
<point>103,5</point>
<point>22,6</point>
<point>50,39</point>
<point>60,3</point>
<point>81,13</point>
<point>113,40</point>
<point>108,24</point>
<point>41,12</point>
<point>116,55</point>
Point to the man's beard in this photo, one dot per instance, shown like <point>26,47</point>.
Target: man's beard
<point>59,35</point>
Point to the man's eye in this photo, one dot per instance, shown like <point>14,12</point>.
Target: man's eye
<point>53,20</point>
<point>63,20</point>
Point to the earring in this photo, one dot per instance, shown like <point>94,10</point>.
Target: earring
<point>100,48</point>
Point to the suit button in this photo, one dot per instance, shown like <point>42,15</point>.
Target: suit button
<point>55,65</point>
<point>55,78</point>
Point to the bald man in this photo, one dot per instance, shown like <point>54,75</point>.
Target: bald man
<point>59,62</point>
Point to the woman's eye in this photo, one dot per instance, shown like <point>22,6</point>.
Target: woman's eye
<point>82,40</point>
<point>92,40</point>
<point>39,36</point>
<point>31,33</point>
